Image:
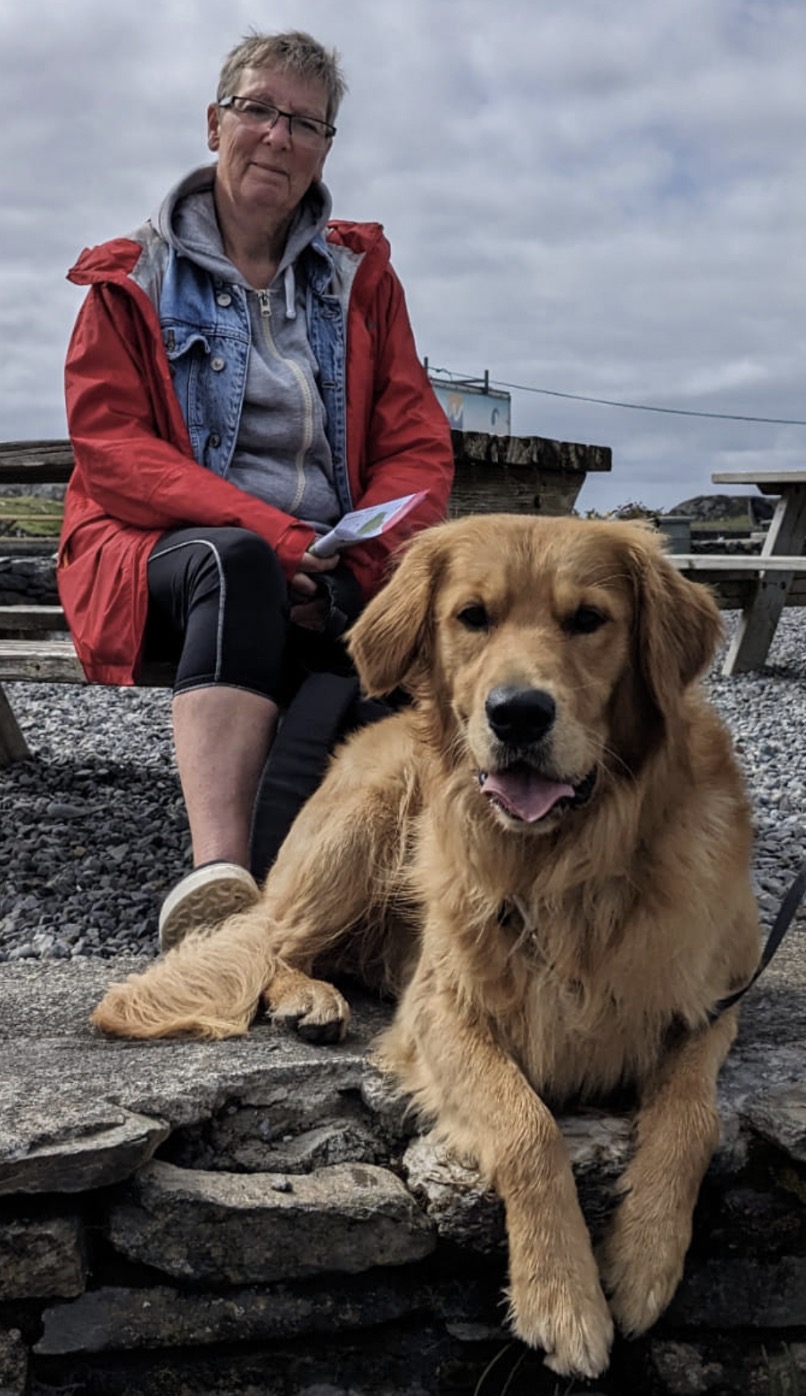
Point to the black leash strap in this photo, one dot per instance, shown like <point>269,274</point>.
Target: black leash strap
<point>780,926</point>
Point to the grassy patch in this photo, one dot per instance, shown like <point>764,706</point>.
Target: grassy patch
<point>783,1373</point>
<point>26,516</point>
<point>739,523</point>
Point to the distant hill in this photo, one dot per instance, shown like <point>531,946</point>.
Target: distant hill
<point>713,507</point>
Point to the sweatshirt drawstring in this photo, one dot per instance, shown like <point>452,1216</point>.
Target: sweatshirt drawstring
<point>290,293</point>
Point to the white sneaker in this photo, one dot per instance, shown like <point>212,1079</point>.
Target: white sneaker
<point>206,897</point>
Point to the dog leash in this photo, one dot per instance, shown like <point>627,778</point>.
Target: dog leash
<point>780,926</point>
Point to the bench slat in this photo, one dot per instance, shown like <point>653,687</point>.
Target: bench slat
<point>33,620</point>
<point>35,462</point>
<point>55,661</point>
<point>741,564</point>
<point>47,661</point>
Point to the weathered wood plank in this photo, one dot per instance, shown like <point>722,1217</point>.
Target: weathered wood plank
<point>738,563</point>
<point>35,462</point>
<point>736,594</point>
<point>520,474</point>
<point>768,481</point>
<point>55,661</point>
<point>31,620</point>
<point>43,661</point>
<point>786,537</point>
<point>541,451</point>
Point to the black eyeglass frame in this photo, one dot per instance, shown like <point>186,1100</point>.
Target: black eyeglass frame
<point>325,128</point>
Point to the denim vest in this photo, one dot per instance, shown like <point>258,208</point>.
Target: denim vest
<point>207,337</point>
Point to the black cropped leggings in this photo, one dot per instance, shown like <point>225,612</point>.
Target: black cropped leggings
<point>218,606</point>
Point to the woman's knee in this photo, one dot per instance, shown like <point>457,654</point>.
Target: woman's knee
<point>242,562</point>
<point>228,603</point>
<point>240,548</point>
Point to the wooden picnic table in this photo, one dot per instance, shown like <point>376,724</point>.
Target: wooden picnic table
<point>786,536</point>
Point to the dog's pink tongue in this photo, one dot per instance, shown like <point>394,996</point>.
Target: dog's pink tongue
<point>524,794</point>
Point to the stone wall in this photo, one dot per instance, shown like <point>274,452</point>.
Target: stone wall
<point>260,1216</point>
<point>26,580</point>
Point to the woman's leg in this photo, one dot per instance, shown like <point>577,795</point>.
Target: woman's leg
<point>222,738</point>
<point>218,599</point>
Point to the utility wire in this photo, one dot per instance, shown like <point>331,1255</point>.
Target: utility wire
<point>630,406</point>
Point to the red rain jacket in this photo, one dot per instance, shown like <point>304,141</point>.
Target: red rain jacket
<point>135,475</point>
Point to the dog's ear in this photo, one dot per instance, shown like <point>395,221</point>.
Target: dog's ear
<point>391,641</point>
<point>678,625</point>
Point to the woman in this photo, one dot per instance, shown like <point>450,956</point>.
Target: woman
<point>241,374</point>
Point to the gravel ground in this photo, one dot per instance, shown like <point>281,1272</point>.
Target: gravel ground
<point>94,831</point>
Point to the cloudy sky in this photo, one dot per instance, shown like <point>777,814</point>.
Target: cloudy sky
<point>588,199</point>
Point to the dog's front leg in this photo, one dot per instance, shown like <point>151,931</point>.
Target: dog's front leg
<point>448,1057</point>
<point>337,880</point>
<point>677,1130</point>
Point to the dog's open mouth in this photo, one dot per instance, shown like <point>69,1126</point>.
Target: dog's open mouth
<point>523,793</point>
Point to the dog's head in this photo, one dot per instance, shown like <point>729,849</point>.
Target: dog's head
<point>546,650</point>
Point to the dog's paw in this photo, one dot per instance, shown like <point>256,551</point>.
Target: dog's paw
<point>317,1010</point>
<point>641,1264</point>
<point>568,1317</point>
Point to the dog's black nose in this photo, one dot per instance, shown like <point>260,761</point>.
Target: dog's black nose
<point>520,715</point>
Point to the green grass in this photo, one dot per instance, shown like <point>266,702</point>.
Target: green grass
<point>783,1373</point>
<point>29,517</point>
<point>739,522</point>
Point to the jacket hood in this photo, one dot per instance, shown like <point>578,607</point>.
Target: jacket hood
<point>198,236</point>
<point>187,221</point>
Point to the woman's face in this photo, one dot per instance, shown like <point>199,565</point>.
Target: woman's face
<point>263,168</point>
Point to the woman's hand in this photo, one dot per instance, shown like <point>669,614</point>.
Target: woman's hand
<point>309,608</point>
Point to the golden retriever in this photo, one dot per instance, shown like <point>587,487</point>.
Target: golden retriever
<point>548,855</point>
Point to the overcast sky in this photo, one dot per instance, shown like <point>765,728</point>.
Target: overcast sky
<point>598,198</point>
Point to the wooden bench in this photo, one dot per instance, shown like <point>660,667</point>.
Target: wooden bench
<point>745,582</point>
<point>530,474</point>
<point>760,585</point>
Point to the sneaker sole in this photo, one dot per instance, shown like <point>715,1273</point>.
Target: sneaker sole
<point>206,906</point>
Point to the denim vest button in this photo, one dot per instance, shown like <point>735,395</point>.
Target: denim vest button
<point>216,365</point>
<point>224,298</point>
<point>215,440</point>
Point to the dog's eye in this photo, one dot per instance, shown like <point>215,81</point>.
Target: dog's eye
<point>474,617</point>
<point>584,621</point>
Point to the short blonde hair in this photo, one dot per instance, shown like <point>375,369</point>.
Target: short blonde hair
<point>292,52</point>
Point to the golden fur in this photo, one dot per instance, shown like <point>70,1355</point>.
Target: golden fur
<point>543,955</point>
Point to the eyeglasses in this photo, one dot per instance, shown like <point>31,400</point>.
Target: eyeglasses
<point>306,130</point>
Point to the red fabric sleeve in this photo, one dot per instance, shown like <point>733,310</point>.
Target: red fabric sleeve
<point>130,441</point>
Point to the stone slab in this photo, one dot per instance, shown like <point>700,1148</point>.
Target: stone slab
<point>41,1257</point>
<point>741,1293</point>
<point>120,1318</point>
<point>242,1228</point>
<point>13,1363</point>
<point>76,1107</point>
<point>780,1117</point>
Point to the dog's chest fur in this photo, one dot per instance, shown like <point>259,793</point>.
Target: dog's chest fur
<point>565,1016</point>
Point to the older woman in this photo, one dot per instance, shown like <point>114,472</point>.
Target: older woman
<point>241,374</point>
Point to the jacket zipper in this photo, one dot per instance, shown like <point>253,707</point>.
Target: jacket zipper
<point>264,297</point>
